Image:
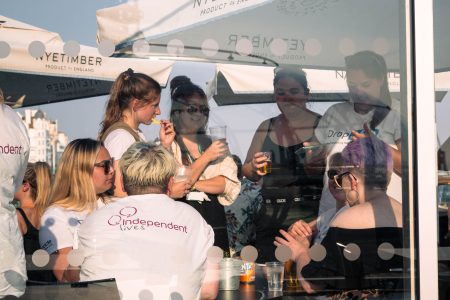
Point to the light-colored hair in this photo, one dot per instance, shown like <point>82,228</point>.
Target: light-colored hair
<point>146,168</point>
<point>372,158</point>
<point>74,186</point>
<point>39,178</point>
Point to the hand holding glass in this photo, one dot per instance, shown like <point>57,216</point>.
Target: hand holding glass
<point>183,173</point>
<point>267,168</point>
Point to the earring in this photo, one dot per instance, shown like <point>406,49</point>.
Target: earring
<point>352,197</point>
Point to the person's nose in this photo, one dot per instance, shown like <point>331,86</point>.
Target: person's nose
<point>158,111</point>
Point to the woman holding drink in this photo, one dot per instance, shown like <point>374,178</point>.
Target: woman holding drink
<point>214,173</point>
<point>290,186</point>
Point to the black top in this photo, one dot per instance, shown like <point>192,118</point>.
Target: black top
<point>289,193</point>
<point>369,270</point>
<point>30,245</point>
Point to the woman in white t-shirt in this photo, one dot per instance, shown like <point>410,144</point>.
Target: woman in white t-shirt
<point>369,108</point>
<point>85,171</point>
<point>134,100</point>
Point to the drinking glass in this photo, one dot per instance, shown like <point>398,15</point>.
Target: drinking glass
<point>267,168</point>
<point>275,275</point>
<point>183,173</point>
<point>218,133</point>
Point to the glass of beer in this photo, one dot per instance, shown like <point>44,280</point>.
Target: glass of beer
<point>267,168</point>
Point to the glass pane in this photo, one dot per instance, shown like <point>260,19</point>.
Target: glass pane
<point>442,83</point>
<point>289,115</point>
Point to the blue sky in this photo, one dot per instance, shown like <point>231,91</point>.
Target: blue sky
<point>76,20</point>
<point>73,20</point>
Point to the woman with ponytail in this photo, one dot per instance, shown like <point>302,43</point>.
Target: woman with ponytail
<point>134,100</point>
<point>32,196</point>
<point>367,111</point>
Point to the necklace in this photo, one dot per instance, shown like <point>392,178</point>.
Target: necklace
<point>191,157</point>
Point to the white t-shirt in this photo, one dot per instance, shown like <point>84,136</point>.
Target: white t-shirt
<point>148,243</point>
<point>119,140</point>
<point>334,130</point>
<point>14,152</point>
<point>59,227</point>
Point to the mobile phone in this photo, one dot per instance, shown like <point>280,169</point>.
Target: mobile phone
<point>302,151</point>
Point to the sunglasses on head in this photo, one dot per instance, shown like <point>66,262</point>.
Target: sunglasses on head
<point>338,178</point>
<point>107,165</point>
<point>191,109</point>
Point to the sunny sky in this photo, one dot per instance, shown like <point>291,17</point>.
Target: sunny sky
<point>75,20</point>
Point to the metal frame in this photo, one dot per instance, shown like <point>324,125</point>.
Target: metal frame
<point>425,150</point>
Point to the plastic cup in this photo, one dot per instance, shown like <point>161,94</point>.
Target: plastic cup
<point>230,271</point>
<point>183,173</point>
<point>275,275</point>
<point>218,133</point>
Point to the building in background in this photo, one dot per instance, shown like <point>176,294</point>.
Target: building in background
<point>46,142</point>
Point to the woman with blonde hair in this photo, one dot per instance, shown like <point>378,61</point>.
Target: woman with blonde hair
<point>32,196</point>
<point>134,100</point>
<point>85,172</point>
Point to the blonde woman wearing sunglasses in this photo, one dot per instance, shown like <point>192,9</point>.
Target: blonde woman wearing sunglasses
<point>85,171</point>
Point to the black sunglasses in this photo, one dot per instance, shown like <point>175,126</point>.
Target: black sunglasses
<point>191,109</point>
<point>106,165</point>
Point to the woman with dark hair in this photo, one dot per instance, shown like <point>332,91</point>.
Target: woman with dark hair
<point>361,238</point>
<point>370,103</point>
<point>292,190</point>
<point>134,100</point>
<point>214,173</point>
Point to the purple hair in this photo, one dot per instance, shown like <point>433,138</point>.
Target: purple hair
<point>372,157</point>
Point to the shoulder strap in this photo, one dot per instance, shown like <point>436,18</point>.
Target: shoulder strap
<point>24,216</point>
<point>121,125</point>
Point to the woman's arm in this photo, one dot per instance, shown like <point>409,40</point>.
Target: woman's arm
<point>216,150</point>
<point>215,185</point>
<point>210,285</point>
<point>255,159</point>
<point>299,248</point>
<point>166,134</point>
<point>397,157</point>
<point>61,268</point>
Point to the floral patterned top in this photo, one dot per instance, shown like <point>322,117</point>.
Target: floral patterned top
<point>241,215</point>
